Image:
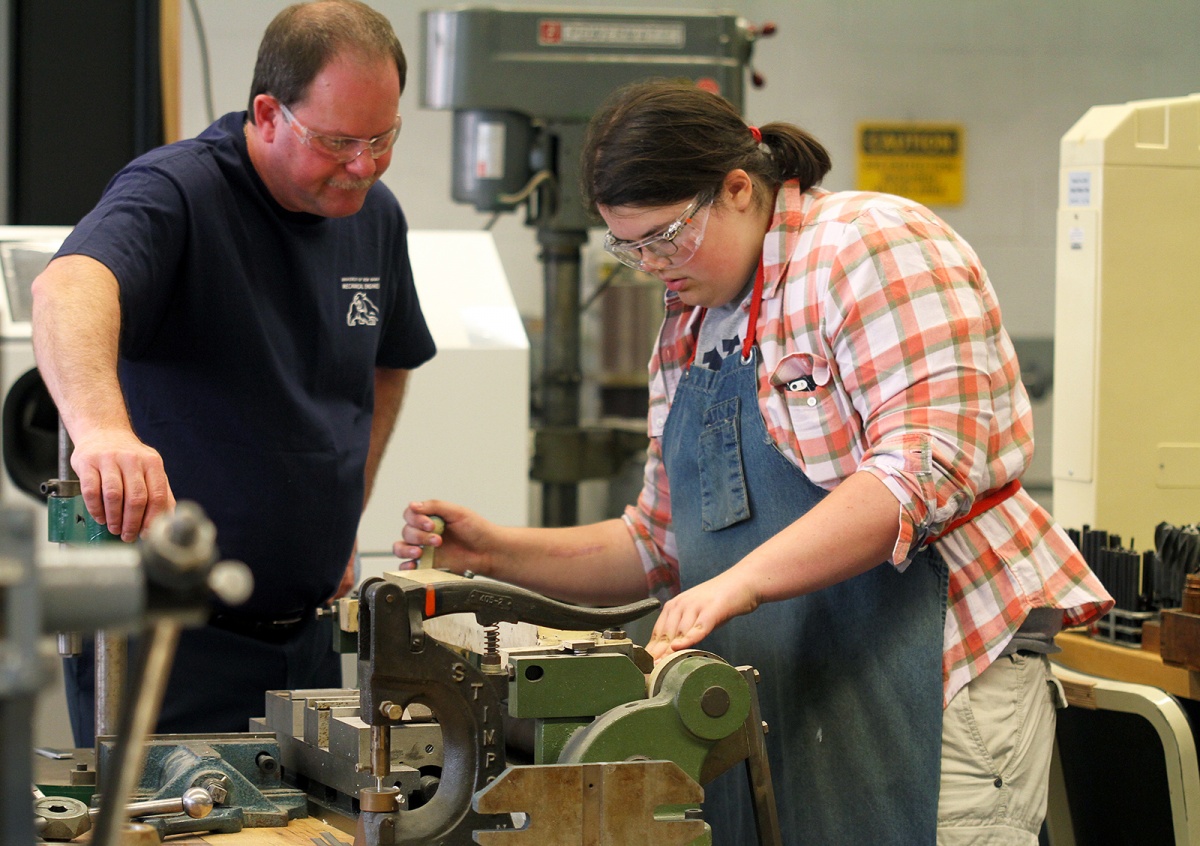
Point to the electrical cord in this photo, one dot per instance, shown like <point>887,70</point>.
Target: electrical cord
<point>205,71</point>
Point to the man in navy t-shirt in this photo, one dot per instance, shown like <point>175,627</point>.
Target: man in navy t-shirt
<point>233,324</point>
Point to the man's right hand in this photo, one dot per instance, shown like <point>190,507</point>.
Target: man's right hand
<point>123,482</point>
<point>76,331</point>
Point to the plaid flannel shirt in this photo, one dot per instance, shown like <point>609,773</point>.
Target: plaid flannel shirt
<point>884,318</point>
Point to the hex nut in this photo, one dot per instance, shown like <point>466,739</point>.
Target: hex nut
<point>218,786</point>
<point>66,818</point>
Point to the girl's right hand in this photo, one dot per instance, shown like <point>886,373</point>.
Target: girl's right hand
<point>463,544</point>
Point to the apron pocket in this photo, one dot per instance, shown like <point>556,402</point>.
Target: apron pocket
<point>723,498</point>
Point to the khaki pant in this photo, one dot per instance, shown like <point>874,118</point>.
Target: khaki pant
<point>997,740</point>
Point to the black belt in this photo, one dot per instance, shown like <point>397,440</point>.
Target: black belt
<point>271,631</point>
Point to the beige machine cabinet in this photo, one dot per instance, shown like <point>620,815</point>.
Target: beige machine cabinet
<point>1126,400</point>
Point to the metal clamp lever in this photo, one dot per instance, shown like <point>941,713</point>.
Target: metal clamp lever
<point>496,602</point>
<point>196,802</point>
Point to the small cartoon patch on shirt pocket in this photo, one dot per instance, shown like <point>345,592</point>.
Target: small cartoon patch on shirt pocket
<point>803,380</point>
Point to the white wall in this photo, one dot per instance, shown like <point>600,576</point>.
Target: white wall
<point>1015,73</point>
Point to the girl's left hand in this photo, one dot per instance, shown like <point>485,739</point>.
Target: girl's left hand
<point>688,618</point>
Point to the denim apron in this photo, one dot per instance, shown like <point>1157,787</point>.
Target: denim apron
<point>851,676</point>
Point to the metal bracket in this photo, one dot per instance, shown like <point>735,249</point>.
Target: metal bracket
<point>609,804</point>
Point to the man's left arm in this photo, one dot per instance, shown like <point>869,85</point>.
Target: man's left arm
<point>389,394</point>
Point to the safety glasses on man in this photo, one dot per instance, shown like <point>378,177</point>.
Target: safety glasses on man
<point>673,247</point>
<point>340,149</point>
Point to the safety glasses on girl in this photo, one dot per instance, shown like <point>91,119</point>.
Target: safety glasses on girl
<point>672,247</point>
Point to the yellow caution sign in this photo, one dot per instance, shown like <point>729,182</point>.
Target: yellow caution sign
<point>921,161</point>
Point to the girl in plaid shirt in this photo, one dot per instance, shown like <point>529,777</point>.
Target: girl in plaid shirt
<point>837,431</point>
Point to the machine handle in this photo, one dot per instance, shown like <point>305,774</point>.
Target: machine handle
<point>425,562</point>
<point>496,602</point>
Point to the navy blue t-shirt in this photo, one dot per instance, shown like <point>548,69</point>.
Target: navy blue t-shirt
<point>249,340</point>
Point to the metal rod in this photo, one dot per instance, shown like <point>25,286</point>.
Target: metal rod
<point>69,643</point>
<point>381,753</point>
<point>21,676</point>
<point>112,669</point>
<point>196,802</point>
<point>561,373</point>
<point>137,722</point>
<point>758,768</point>
<point>65,448</point>
<point>16,724</point>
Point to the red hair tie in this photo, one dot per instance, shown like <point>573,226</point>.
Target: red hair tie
<point>756,134</point>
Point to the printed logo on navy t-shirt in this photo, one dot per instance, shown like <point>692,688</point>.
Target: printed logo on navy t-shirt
<point>362,311</point>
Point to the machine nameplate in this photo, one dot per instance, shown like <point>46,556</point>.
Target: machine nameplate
<point>573,33</point>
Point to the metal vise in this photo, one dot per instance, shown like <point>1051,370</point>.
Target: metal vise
<point>399,664</point>
<point>240,772</point>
